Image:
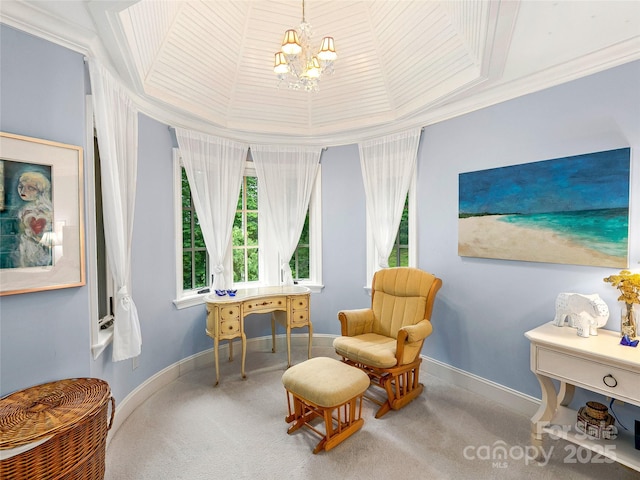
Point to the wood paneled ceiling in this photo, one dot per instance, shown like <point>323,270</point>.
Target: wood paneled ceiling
<point>207,64</point>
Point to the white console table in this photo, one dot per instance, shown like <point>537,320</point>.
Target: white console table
<point>599,364</point>
<point>288,305</point>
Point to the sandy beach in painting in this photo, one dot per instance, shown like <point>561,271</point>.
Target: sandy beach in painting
<point>488,237</point>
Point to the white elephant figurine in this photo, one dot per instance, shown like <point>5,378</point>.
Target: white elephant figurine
<point>586,313</point>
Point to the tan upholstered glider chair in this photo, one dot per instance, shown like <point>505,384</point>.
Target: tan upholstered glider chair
<point>385,340</point>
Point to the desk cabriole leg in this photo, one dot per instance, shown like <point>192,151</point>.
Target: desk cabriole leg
<point>244,353</point>
<point>273,332</point>
<point>215,357</point>
<point>288,342</point>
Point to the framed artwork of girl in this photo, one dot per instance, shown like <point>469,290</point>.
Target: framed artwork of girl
<point>28,215</point>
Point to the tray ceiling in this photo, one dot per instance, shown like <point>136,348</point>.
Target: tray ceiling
<point>207,64</point>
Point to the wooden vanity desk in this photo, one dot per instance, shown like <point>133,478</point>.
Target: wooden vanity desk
<point>288,305</point>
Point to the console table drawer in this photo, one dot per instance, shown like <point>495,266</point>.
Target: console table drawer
<point>588,373</point>
<point>266,305</point>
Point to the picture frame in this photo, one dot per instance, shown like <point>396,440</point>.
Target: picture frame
<point>569,210</point>
<point>41,215</point>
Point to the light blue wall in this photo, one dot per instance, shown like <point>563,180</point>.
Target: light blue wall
<point>483,309</point>
<point>45,335</point>
<point>486,306</point>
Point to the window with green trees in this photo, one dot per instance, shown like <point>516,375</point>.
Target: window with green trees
<point>299,263</point>
<point>245,233</point>
<point>400,254</point>
<point>195,261</point>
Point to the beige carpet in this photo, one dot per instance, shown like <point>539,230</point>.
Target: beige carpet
<point>191,430</point>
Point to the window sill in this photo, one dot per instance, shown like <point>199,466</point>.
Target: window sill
<point>193,299</point>
<point>189,300</point>
<point>105,337</point>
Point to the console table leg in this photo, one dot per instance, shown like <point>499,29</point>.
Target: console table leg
<point>310,337</point>
<point>565,394</point>
<point>546,411</point>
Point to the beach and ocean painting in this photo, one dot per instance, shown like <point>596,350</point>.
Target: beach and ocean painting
<point>571,210</point>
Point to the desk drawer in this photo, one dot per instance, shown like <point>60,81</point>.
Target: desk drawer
<point>265,305</point>
<point>229,312</point>
<point>219,313</point>
<point>300,302</point>
<point>588,373</point>
<point>229,327</point>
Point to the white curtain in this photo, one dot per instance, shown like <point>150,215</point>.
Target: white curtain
<point>387,165</point>
<point>215,167</point>
<point>116,120</point>
<point>286,175</point>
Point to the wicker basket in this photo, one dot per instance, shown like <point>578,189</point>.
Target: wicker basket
<point>601,428</point>
<point>57,430</point>
<point>597,410</point>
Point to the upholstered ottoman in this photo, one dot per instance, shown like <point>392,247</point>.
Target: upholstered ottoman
<point>326,388</point>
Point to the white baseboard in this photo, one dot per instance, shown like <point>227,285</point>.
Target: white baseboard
<point>512,399</point>
<point>202,359</point>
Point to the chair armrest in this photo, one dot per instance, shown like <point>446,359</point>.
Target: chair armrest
<point>411,334</point>
<point>417,332</point>
<point>355,322</point>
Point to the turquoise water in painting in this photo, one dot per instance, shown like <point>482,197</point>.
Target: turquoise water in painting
<point>604,230</point>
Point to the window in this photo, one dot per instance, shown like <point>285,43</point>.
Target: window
<point>299,263</point>
<point>104,280</point>
<point>100,282</point>
<point>192,260</point>
<point>195,262</point>
<point>403,253</point>
<point>245,233</point>
<point>399,256</point>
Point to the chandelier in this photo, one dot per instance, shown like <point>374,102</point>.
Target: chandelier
<point>298,64</point>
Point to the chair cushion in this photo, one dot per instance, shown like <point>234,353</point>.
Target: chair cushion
<point>369,348</point>
<point>391,313</point>
<point>325,381</point>
<point>403,282</point>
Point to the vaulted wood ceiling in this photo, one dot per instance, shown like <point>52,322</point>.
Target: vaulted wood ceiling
<point>208,63</point>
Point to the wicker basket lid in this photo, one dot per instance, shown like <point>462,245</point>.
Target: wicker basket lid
<point>51,408</point>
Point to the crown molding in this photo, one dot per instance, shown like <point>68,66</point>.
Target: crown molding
<point>41,24</point>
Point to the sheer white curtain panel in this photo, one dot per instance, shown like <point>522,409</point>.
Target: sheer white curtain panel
<point>286,175</point>
<point>116,121</point>
<point>215,167</point>
<point>387,164</point>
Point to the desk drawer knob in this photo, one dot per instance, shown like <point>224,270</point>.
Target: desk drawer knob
<point>610,381</point>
